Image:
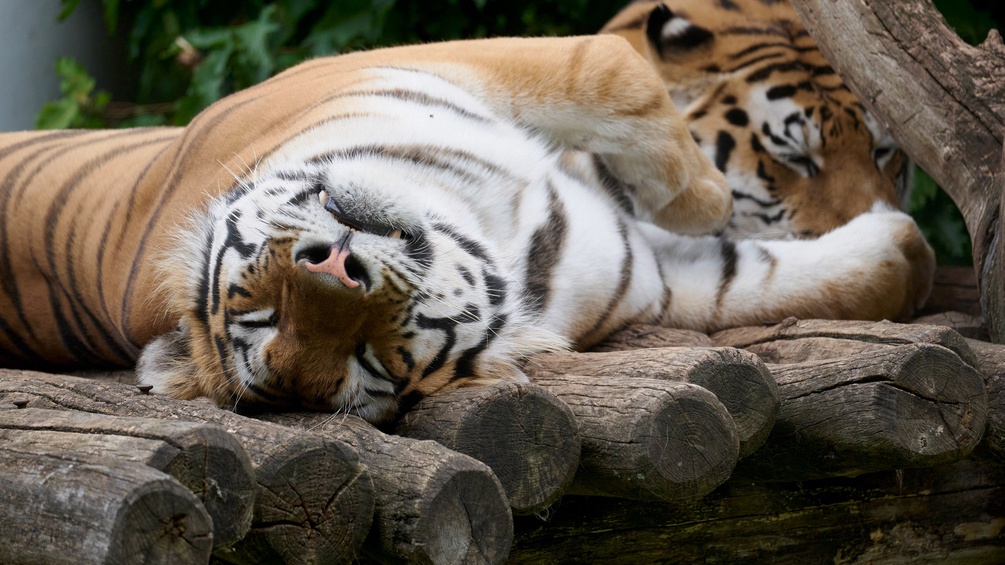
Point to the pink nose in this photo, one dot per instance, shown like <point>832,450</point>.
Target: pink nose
<point>335,265</point>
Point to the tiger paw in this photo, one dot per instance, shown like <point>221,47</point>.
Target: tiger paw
<point>705,206</point>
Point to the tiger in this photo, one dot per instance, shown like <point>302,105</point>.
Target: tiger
<point>801,153</point>
<point>365,230</point>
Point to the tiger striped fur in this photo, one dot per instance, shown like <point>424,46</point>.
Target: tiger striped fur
<point>801,153</point>
<point>364,230</point>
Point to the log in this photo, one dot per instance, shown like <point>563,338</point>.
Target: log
<point>62,507</point>
<point>525,434</point>
<point>966,325</point>
<point>991,363</point>
<point>763,340</point>
<point>201,457</point>
<point>433,505</point>
<point>647,438</point>
<point>644,336</point>
<point>946,514</point>
<point>912,405</point>
<point>314,500</point>
<point>941,99</point>
<point>738,379</point>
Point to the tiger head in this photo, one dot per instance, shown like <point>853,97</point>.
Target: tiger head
<point>324,289</point>
<point>800,152</point>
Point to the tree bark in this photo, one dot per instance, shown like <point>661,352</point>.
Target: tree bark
<point>889,408</point>
<point>646,438</point>
<point>433,505</point>
<point>314,500</point>
<point>63,507</point>
<point>941,99</point>
<point>857,336</point>
<point>737,378</point>
<point>644,336</point>
<point>525,434</point>
<point>202,457</point>
<point>991,362</point>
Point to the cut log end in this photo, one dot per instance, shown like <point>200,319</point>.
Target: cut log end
<point>646,438</point>
<point>913,405</point>
<point>737,378</point>
<point>467,522</point>
<point>418,487</point>
<point>158,525</point>
<point>691,466</point>
<point>300,516</point>
<point>60,508</point>
<point>526,435</point>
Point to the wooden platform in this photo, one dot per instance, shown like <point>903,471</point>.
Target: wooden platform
<point>802,442</point>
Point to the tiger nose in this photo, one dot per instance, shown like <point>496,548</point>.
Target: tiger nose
<point>342,264</point>
<point>335,265</point>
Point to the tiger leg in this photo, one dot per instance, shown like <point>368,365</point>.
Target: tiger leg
<point>594,94</point>
<point>878,266</point>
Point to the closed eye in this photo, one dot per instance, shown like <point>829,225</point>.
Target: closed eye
<point>882,155</point>
<point>357,224</point>
<point>803,162</point>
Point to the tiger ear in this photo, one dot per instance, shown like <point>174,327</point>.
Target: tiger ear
<point>166,363</point>
<point>671,34</point>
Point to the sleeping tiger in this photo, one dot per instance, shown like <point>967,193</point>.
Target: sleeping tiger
<point>800,152</point>
<point>365,230</point>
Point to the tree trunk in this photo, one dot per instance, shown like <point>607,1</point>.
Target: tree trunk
<point>525,434</point>
<point>314,501</point>
<point>202,457</point>
<point>941,99</point>
<point>63,507</point>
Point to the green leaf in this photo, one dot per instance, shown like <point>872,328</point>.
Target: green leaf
<point>67,7</point>
<point>207,85</point>
<point>59,114</point>
<point>74,78</point>
<point>111,14</point>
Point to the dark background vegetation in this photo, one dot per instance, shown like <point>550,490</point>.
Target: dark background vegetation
<point>185,54</point>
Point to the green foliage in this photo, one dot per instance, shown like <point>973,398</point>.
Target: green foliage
<point>940,221</point>
<point>189,53</point>
<point>80,106</point>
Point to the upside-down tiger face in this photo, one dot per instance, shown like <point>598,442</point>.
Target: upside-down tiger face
<point>351,270</point>
<point>801,153</point>
<point>325,289</point>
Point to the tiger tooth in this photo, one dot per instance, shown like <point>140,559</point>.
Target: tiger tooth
<point>396,234</point>
<point>323,197</point>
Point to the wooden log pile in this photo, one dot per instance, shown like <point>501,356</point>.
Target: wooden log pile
<point>659,443</point>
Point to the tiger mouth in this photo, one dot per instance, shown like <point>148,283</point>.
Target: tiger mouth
<point>356,224</point>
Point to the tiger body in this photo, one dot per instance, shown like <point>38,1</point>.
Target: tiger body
<point>802,155</point>
<point>364,230</point>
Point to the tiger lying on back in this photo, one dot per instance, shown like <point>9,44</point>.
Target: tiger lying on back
<point>800,152</point>
<point>365,230</point>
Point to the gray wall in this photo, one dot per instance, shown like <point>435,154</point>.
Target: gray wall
<point>31,39</point>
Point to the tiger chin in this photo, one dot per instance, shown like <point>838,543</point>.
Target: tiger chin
<point>365,230</point>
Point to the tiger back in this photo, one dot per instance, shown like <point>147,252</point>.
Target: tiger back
<point>801,153</point>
